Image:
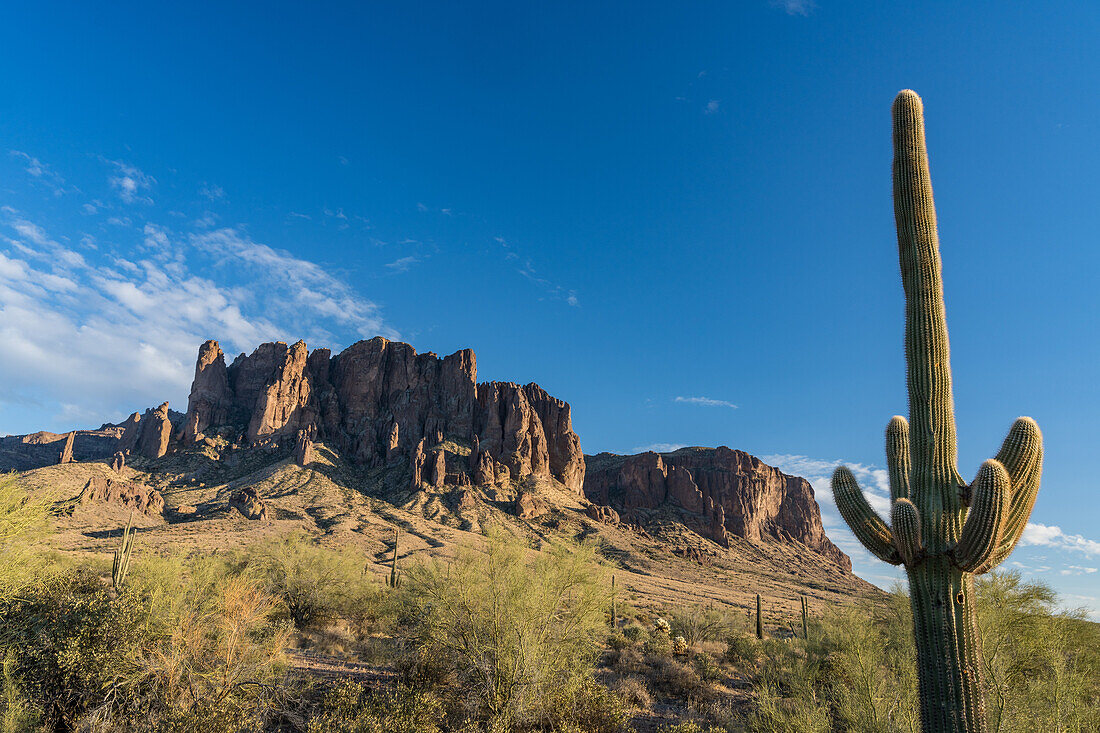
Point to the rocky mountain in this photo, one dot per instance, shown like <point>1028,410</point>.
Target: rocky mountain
<point>380,404</point>
<point>717,491</point>
<point>410,422</point>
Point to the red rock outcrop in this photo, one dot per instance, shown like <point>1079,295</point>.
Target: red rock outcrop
<point>529,506</point>
<point>727,490</point>
<point>66,455</point>
<point>376,401</point>
<point>141,498</point>
<point>248,502</point>
<point>210,399</point>
<point>118,461</point>
<point>602,513</point>
<point>303,448</point>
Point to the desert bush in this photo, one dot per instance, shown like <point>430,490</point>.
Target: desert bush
<point>314,583</point>
<point>617,641</point>
<point>675,679</point>
<point>513,646</point>
<point>183,647</point>
<point>634,633</point>
<point>699,623</point>
<point>22,520</point>
<point>351,707</point>
<point>658,643</point>
<point>742,650</point>
<point>858,668</point>
<point>632,690</point>
<point>18,714</point>
<point>706,667</point>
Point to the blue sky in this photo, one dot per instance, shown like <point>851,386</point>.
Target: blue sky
<point>677,217</point>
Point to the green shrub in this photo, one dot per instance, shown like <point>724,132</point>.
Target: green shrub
<point>617,641</point>
<point>353,708</point>
<point>634,633</point>
<point>699,623</point>
<point>18,714</point>
<point>742,650</point>
<point>186,646</point>
<point>315,583</point>
<point>22,521</point>
<point>513,646</point>
<point>706,667</point>
<point>658,643</point>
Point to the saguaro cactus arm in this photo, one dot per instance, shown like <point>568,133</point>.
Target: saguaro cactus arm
<point>864,522</point>
<point>1021,455</point>
<point>907,535</point>
<point>897,457</point>
<point>985,523</point>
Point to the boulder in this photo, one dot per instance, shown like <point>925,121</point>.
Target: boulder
<point>248,502</point>
<point>128,494</point>
<point>529,506</point>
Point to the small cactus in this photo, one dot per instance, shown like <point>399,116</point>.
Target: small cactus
<point>121,565</point>
<point>679,645</point>
<point>662,627</point>
<point>393,563</point>
<point>759,619</point>
<point>941,529</point>
<point>612,601</point>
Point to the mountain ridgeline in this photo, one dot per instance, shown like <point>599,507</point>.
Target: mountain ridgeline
<point>380,406</point>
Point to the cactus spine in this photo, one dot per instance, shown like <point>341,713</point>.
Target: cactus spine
<point>940,543</point>
<point>393,563</point>
<point>805,618</point>
<point>759,619</point>
<point>121,564</point>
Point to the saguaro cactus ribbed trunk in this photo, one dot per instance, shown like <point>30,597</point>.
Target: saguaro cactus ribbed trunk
<point>943,531</point>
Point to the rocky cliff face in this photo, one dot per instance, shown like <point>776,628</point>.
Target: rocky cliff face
<point>377,402</point>
<point>720,490</point>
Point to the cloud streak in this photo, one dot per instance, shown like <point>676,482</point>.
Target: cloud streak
<point>795,7</point>
<point>705,402</point>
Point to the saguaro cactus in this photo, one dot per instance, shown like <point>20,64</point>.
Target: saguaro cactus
<point>759,619</point>
<point>393,563</point>
<point>805,618</point>
<point>931,532</point>
<point>120,566</point>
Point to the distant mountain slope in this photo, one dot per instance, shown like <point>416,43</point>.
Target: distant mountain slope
<point>716,490</point>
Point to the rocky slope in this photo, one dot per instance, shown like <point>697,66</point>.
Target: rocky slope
<point>718,491</point>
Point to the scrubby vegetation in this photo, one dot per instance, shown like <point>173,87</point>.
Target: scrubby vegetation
<point>502,638</point>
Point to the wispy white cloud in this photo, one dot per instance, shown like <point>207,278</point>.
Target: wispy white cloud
<point>212,191</point>
<point>129,182</point>
<point>712,106</point>
<point>706,402</point>
<point>402,264</point>
<point>552,290</point>
<point>42,172</point>
<point>1077,570</point>
<point>794,7</point>
<point>1045,535</point>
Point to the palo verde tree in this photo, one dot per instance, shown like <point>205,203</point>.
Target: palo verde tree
<point>941,529</point>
